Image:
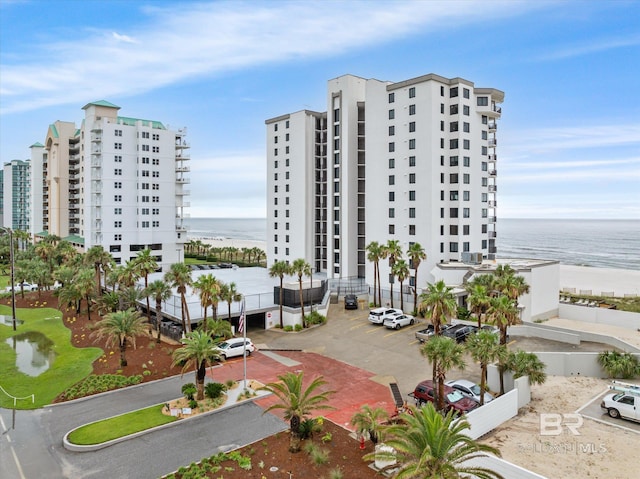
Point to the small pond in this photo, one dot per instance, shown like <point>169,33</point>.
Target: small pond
<point>34,352</point>
<point>8,320</point>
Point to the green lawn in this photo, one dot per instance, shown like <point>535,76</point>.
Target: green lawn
<point>69,366</point>
<point>120,426</point>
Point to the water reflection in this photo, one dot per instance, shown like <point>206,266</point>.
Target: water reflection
<point>34,352</point>
<point>8,320</point>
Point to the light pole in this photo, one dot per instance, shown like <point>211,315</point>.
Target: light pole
<point>12,265</point>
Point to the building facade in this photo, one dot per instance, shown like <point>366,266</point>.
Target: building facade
<point>115,181</point>
<point>15,194</point>
<point>413,161</point>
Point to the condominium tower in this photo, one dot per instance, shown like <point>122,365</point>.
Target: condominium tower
<point>15,195</point>
<point>413,161</point>
<point>115,181</point>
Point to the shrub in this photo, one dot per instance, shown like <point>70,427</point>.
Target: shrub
<point>298,327</point>
<point>308,427</point>
<point>189,390</point>
<point>193,404</point>
<point>316,318</point>
<point>318,455</point>
<point>288,328</point>
<point>214,390</point>
<point>619,365</point>
<point>229,383</point>
<point>146,372</point>
<point>336,473</point>
<point>463,313</point>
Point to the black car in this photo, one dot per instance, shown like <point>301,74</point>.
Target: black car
<point>350,301</point>
<point>459,332</point>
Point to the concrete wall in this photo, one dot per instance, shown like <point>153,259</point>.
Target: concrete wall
<point>506,469</point>
<point>573,364</point>
<point>492,414</point>
<point>611,317</point>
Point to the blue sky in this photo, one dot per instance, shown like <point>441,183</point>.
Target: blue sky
<point>569,137</point>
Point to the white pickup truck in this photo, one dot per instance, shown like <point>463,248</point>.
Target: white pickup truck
<point>624,404</point>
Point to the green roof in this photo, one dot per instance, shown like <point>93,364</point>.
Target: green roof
<point>37,144</point>
<point>132,121</point>
<point>54,130</point>
<point>44,234</point>
<point>100,103</point>
<point>74,239</point>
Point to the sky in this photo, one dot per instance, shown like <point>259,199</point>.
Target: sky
<point>568,139</point>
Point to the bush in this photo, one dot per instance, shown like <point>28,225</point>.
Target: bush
<point>189,390</point>
<point>316,318</point>
<point>619,365</point>
<point>318,455</point>
<point>100,383</point>
<point>214,390</point>
<point>463,313</point>
<point>298,327</point>
<point>288,328</point>
<point>308,427</point>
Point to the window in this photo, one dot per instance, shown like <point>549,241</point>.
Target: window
<point>412,212</point>
<point>275,152</point>
<point>484,228</point>
<point>453,178</point>
<point>466,212</point>
<point>466,127</point>
<point>117,172</point>
<point>155,174</point>
<point>119,133</point>
<point>466,161</point>
<point>484,244</point>
<point>465,230</point>
<point>156,136</point>
<point>453,247</point>
<point>453,144</point>
<point>392,147</point>
<point>392,114</point>
<point>412,230</point>
<point>442,247</point>
<point>286,238</point>
<point>392,180</point>
<point>484,135</point>
<point>412,195</point>
<point>484,212</point>
<point>441,125</point>
<point>145,172</point>
<point>155,199</point>
<point>392,196</point>
<point>145,199</point>
<point>118,159</point>
<point>286,137</point>
<point>117,146</point>
<point>441,212</point>
<point>442,161</point>
<point>465,178</point>
<point>286,124</point>
<point>145,186</point>
<point>466,195</point>
<point>275,139</point>
<point>453,126</point>
<point>453,92</point>
<point>441,91</point>
<point>453,161</point>
<point>453,109</point>
<point>412,126</point>
<point>441,142</point>
<point>117,224</point>
<point>484,119</point>
<point>453,212</point>
<point>286,174</point>
<point>117,198</point>
<point>465,246</point>
<point>155,224</point>
<point>442,108</point>
<point>117,237</point>
<point>485,197</point>
<point>441,177</point>
<point>484,182</point>
<point>483,101</point>
<point>412,109</point>
<point>466,144</point>
<point>336,144</point>
<point>145,147</point>
<point>412,178</point>
<point>155,211</point>
<point>484,151</point>
<point>392,97</point>
<point>155,149</point>
<point>412,144</point>
<point>145,224</point>
<point>392,213</point>
<point>117,211</point>
<point>441,195</point>
<point>392,229</point>
<point>465,92</point>
<point>465,110</point>
<point>392,130</point>
<point>453,230</point>
<point>336,115</point>
<point>155,161</point>
<point>412,161</point>
<point>453,195</point>
<point>412,92</point>
<point>484,166</point>
<point>114,248</point>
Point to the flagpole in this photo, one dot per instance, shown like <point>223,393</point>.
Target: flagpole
<point>244,331</point>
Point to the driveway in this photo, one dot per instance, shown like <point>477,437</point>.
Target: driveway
<point>593,411</point>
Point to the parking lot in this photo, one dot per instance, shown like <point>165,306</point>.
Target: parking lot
<point>593,410</point>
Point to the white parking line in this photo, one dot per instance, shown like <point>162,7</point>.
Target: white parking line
<point>13,452</point>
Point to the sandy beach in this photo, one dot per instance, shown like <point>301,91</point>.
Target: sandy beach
<point>599,280</point>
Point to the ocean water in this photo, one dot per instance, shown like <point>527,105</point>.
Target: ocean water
<point>599,243</point>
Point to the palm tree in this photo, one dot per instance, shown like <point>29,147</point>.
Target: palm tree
<point>230,294</point>
<point>279,269</point>
<point>208,287</point>
<point>373,254</point>
<point>428,445</point>
<point>523,363</point>
<point>297,402</point>
<point>401,271</point>
<point>197,352</point>
<point>485,348</point>
<point>503,314</point>
<point>445,354</point>
<point>416,255</point>
<point>179,277</point>
<point>619,365</point>
<point>160,291</point>
<point>219,329</point>
<point>107,303</point>
<point>437,304</point>
<point>370,421</point>
<point>478,299</point>
<point>393,251</point>
<point>86,287</point>
<point>97,257</point>
<point>301,268</point>
<point>120,327</point>
<point>144,264</point>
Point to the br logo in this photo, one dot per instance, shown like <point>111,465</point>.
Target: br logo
<point>552,424</point>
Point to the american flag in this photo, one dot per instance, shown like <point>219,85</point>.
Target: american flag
<point>241,320</point>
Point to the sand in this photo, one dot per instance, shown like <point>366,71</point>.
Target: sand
<point>598,280</point>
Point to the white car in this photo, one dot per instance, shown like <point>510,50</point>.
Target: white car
<point>469,389</point>
<point>398,320</point>
<point>25,286</point>
<point>378,315</point>
<point>235,347</point>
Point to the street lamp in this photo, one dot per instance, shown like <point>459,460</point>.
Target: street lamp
<point>12,265</point>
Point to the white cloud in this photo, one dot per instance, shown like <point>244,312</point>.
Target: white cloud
<point>593,46</point>
<point>179,43</point>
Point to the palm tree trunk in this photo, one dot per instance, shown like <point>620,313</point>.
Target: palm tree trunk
<point>483,381</point>
<point>391,284</point>
<point>401,298</point>
<point>440,392</point>
<point>302,304</point>
<point>123,349</point>
<point>375,282</point>
<point>158,317</point>
<point>379,288</point>
<point>184,322</point>
<point>146,285</point>
<point>415,291</point>
<point>200,375</point>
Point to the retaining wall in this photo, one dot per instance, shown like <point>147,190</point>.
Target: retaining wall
<point>610,317</point>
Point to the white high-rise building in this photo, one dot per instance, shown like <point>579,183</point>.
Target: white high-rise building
<point>116,181</point>
<point>15,195</point>
<point>413,161</point>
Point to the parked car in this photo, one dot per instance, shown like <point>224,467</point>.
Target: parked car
<point>398,320</point>
<point>24,286</point>
<point>623,404</point>
<point>378,315</point>
<point>426,333</point>
<point>469,389</point>
<point>459,332</point>
<point>453,399</point>
<point>493,329</point>
<point>350,301</point>
<point>235,347</point>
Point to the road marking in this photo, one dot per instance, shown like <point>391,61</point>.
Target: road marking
<point>357,326</point>
<point>414,341</point>
<point>393,332</point>
<point>15,458</point>
<point>373,330</point>
<point>512,342</point>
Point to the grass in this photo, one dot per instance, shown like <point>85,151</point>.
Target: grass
<point>70,365</point>
<point>631,305</point>
<point>120,426</point>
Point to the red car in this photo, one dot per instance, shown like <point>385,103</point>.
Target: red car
<point>453,399</point>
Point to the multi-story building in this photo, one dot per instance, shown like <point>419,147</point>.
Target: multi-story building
<point>413,161</point>
<point>116,181</point>
<point>15,194</point>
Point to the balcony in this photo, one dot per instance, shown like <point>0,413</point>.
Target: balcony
<point>493,173</point>
<point>182,156</point>
<point>493,204</point>
<point>184,204</point>
<point>493,143</point>
<point>96,138</point>
<point>493,188</point>
<point>96,150</point>
<point>181,192</point>
<point>182,145</point>
<point>492,234</point>
<point>183,169</point>
<point>493,158</point>
<point>181,228</point>
<point>183,181</point>
<point>493,126</point>
<point>491,219</point>
<point>96,161</point>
